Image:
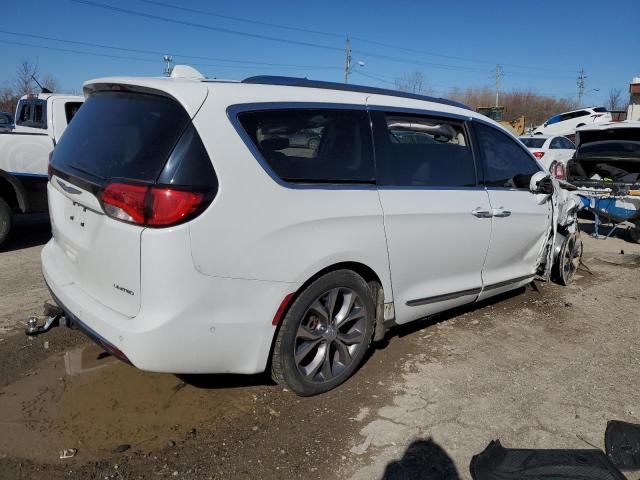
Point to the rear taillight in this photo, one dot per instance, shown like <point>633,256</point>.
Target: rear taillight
<point>169,206</point>
<point>126,202</point>
<point>153,206</point>
<point>559,171</point>
<point>538,155</point>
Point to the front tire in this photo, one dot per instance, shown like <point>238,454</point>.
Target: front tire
<point>568,259</point>
<point>325,334</point>
<point>6,221</point>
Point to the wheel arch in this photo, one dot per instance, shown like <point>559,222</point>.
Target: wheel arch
<point>13,192</point>
<point>365,271</point>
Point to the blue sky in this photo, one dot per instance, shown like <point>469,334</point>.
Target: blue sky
<point>540,45</point>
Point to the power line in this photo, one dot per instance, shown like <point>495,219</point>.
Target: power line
<point>238,19</point>
<point>337,35</point>
<point>125,57</point>
<point>107,55</point>
<point>157,52</point>
<point>206,27</point>
<point>278,39</point>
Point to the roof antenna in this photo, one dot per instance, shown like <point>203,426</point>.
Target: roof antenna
<point>42,89</point>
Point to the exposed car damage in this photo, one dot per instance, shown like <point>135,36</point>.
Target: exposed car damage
<point>562,251</point>
<point>606,170</point>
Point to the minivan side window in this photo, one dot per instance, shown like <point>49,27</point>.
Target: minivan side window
<point>422,151</point>
<point>506,163</point>
<point>313,145</point>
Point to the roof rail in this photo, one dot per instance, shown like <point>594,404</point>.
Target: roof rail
<point>347,87</point>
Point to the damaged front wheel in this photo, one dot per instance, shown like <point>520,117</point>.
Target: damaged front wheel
<point>568,259</point>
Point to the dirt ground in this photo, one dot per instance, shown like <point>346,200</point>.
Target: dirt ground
<point>541,368</point>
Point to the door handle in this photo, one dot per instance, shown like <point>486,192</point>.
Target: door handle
<point>481,213</point>
<point>500,212</point>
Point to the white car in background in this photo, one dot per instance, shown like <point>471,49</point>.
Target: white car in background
<point>567,122</point>
<point>550,150</point>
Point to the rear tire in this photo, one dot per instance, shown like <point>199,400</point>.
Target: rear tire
<point>6,221</point>
<point>325,334</point>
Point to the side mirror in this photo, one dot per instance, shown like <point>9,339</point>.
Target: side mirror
<point>541,183</point>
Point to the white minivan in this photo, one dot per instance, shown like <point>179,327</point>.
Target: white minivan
<point>280,223</point>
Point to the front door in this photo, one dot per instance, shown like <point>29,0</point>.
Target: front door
<point>520,219</point>
<point>437,218</point>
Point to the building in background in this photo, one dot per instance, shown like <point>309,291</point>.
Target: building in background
<point>633,112</point>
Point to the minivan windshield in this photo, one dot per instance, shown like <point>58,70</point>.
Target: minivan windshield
<point>120,135</point>
<point>530,142</point>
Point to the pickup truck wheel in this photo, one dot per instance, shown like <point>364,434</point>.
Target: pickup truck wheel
<point>325,334</point>
<point>634,233</point>
<point>6,221</point>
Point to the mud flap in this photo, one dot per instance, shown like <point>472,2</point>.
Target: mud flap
<point>622,443</point>
<point>499,463</point>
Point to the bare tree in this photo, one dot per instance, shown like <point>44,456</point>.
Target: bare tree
<point>23,80</point>
<point>50,83</point>
<point>8,100</point>
<point>413,82</point>
<point>614,101</point>
<point>535,107</point>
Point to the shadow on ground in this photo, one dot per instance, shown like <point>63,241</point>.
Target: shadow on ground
<point>28,231</point>
<point>423,460</point>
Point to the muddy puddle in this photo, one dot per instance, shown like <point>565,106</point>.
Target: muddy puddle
<point>89,401</point>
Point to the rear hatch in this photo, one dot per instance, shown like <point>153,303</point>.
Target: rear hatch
<point>115,160</point>
<point>607,158</point>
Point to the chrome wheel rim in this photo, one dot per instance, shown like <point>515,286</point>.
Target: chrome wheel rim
<point>330,335</point>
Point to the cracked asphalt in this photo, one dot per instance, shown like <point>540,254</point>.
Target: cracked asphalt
<point>535,369</point>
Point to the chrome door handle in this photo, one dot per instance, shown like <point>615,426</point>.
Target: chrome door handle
<point>481,213</point>
<point>501,212</point>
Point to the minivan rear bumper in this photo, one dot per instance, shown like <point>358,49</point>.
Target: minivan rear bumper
<point>222,326</point>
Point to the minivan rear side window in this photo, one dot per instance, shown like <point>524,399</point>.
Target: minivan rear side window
<point>313,145</point>
<point>506,162</point>
<point>121,135</point>
<point>422,151</point>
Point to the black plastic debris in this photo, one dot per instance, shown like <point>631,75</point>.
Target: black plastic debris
<point>121,448</point>
<point>499,463</point>
<point>622,443</point>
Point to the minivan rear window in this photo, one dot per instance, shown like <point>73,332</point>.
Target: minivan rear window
<point>120,135</point>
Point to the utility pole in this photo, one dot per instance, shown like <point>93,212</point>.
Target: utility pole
<point>581,79</point>
<point>499,75</point>
<point>347,61</point>
<point>168,59</point>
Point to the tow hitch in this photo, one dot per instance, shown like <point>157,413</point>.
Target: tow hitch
<point>53,316</point>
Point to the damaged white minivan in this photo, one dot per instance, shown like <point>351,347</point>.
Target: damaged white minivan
<point>284,224</point>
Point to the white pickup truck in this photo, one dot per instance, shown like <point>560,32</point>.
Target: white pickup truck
<point>24,153</point>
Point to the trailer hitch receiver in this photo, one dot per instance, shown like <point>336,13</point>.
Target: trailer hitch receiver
<point>53,317</point>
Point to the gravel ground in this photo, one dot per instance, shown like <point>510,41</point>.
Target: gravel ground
<point>535,369</point>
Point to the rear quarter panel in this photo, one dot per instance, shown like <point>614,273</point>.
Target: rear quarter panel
<point>258,229</point>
